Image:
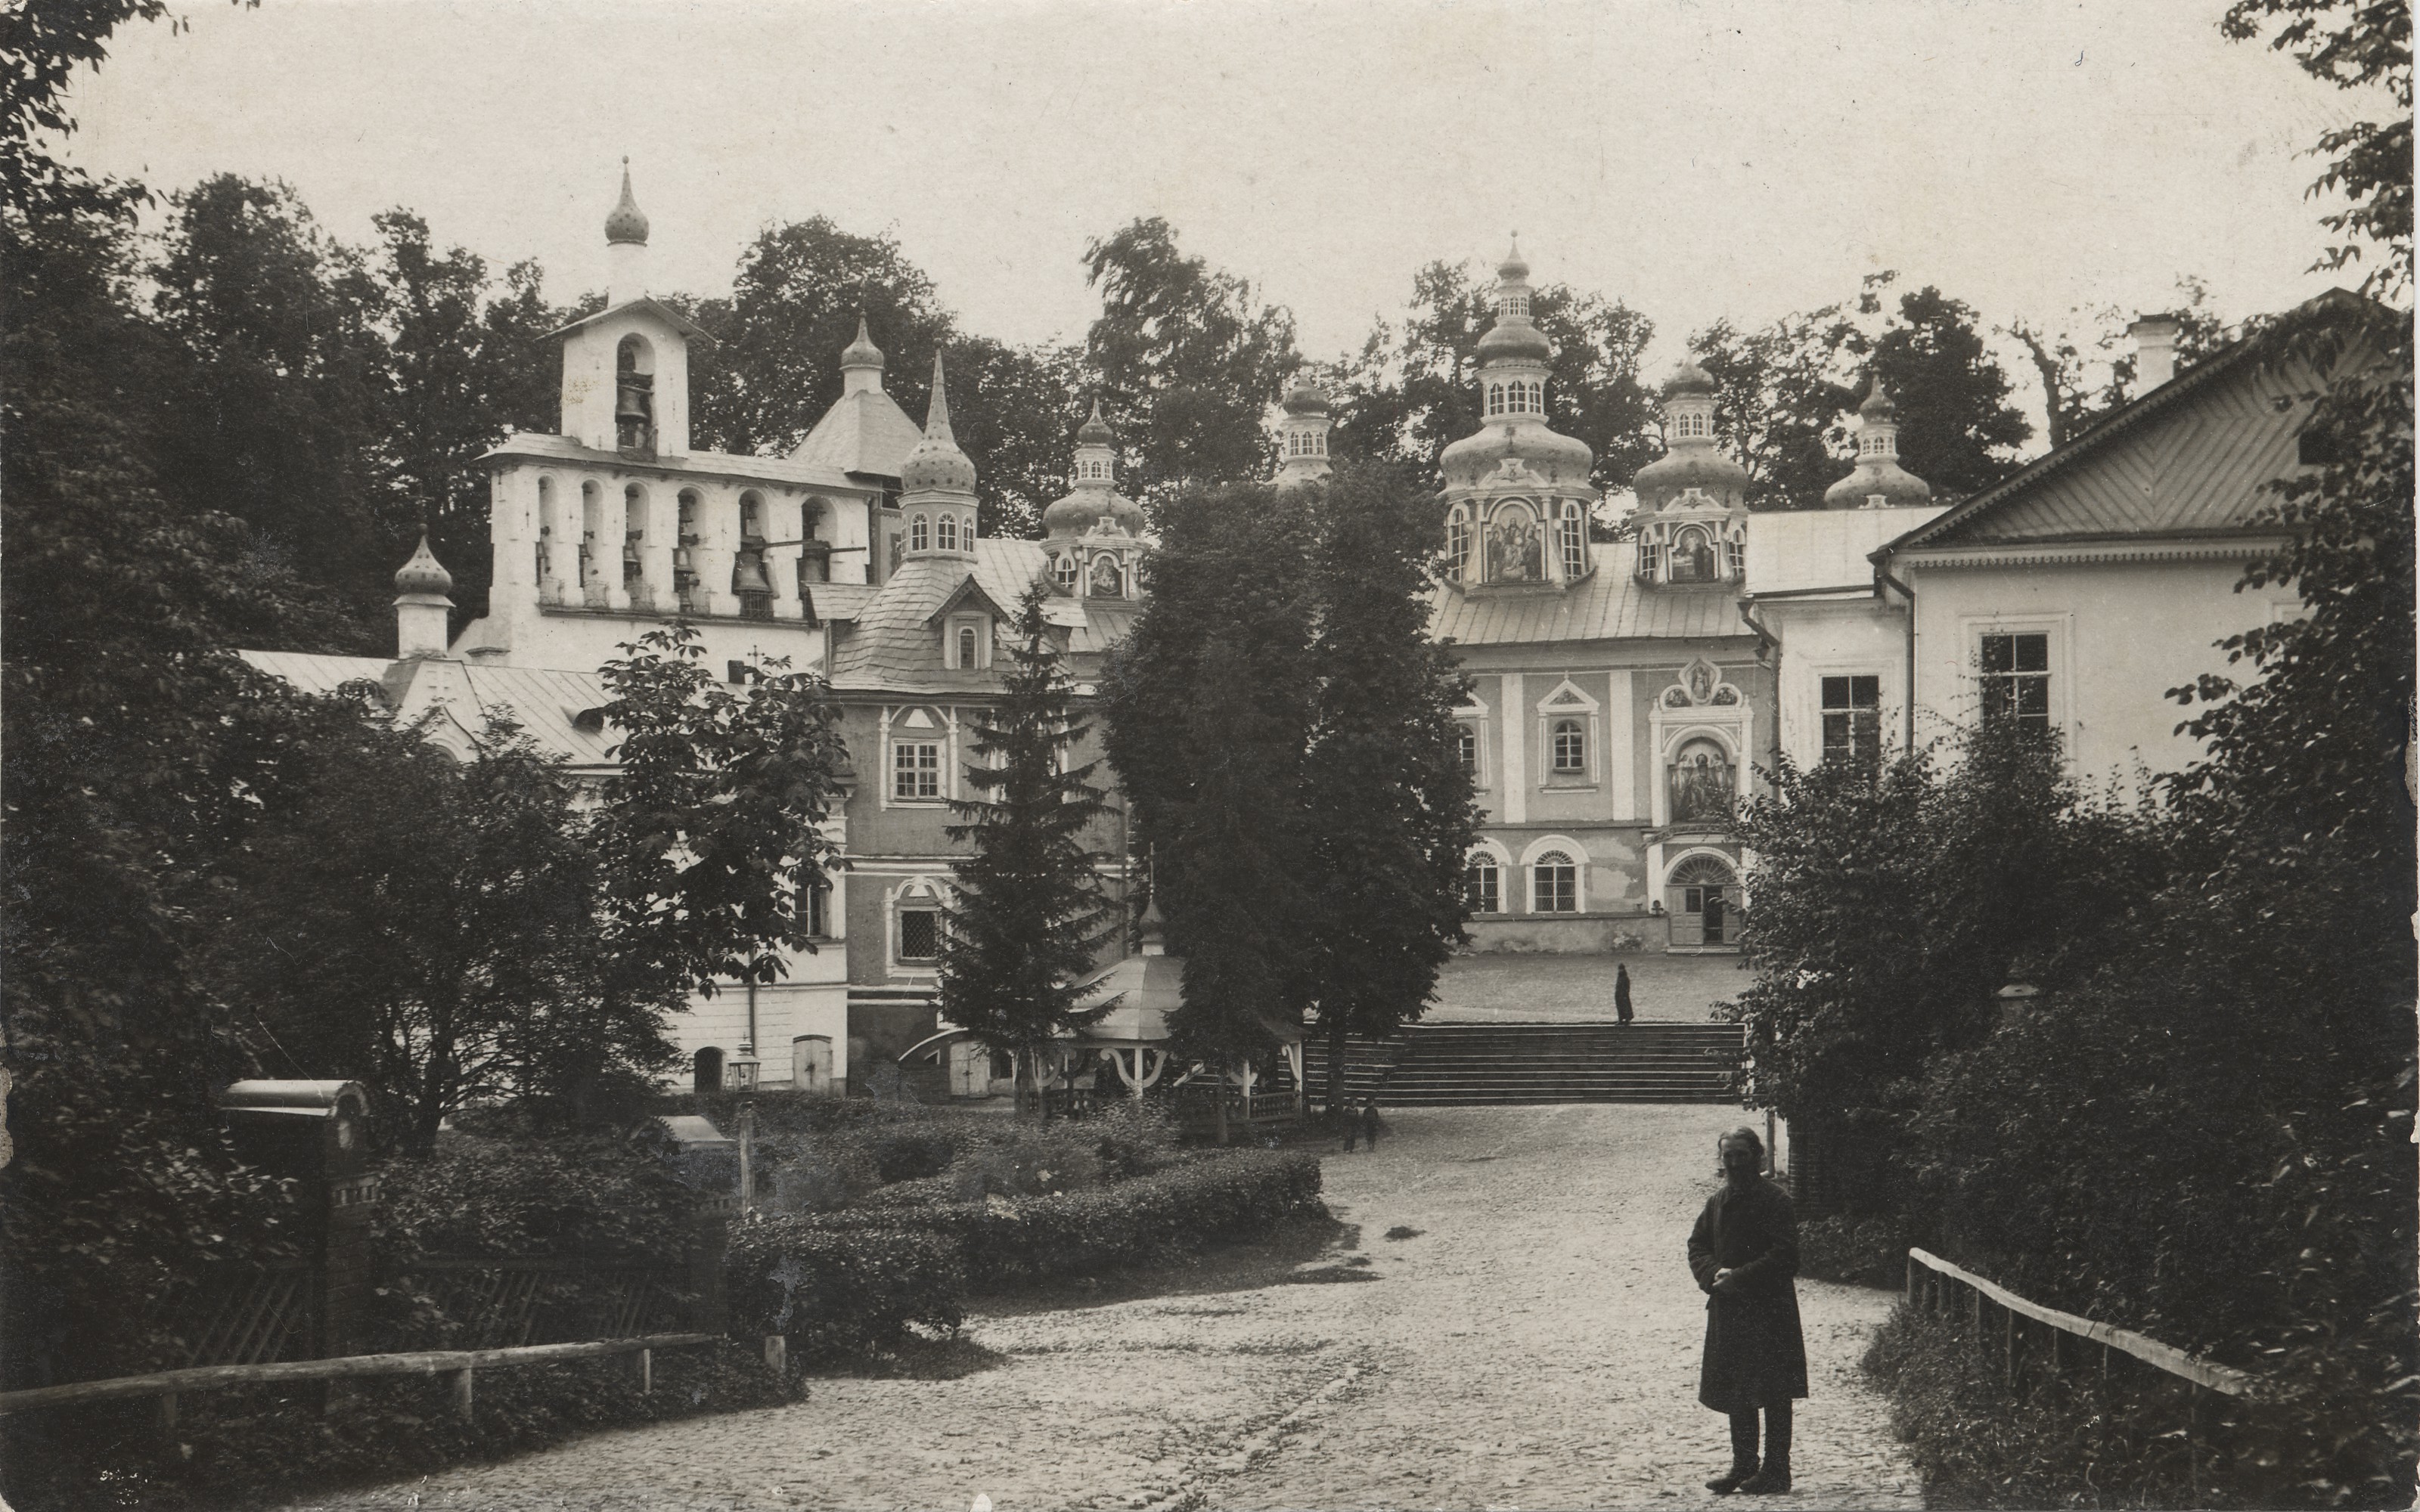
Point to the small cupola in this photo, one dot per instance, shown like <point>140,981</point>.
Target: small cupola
<point>1092,504</point>
<point>861,362</point>
<point>1877,481</point>
<point>1695,466</point>
<point>1513,359</point>
<point>1302,435</point>
<point>937,484</point>
<point>422,586</point>
<point>625,247</point>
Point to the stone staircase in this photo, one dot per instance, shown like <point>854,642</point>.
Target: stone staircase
<point>1443,1065</point>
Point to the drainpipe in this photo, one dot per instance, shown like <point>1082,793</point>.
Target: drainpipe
<point>1908,715</point>
<point>751,1016</point>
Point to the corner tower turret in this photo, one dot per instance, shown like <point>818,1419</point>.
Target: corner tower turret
<point>1693,500</point>
<point>936,485</point>
<point>1878,482</point>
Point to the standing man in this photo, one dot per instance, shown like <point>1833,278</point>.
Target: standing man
<point>1622,992</point>
<point>1369,1122</point>
<point>1745,1252</point>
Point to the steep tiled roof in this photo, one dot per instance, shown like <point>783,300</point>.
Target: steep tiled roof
<point>2191,457</point>
<point>893,644</point>
<point>864,433</point>
<point>1612,604</point>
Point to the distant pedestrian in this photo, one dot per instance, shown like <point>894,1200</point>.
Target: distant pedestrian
<point>1369,1122</point>
<point>1351,1127</point>
<point>1745,1252</point>
<point>1622,992</point>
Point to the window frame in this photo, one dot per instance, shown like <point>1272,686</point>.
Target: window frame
<point>920,909</point>
<point>1570,539</point>
<point>2015,678</point>
<point>1482,884</point>
<point>920,532</point>
<point>1566,746</point>
<point>1860,723</point>
<point>924,768</point>
<point>1559,894</point>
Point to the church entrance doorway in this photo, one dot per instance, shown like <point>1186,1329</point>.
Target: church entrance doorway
<point>1701,895</point>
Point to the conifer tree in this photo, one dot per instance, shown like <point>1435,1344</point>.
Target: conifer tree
<point>1030,911</point>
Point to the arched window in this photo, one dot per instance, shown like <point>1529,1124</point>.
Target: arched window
<point>1515,303</point>
<point>1482,884</point>
<point>634,394</point>
<point>1494,399</point>
<point>1703,788</point>
<point>918,532</point>
<point>1537,396</point>
<point>705,1073</point>
<point>634,532</point>
<point>1571,533</point>
<point>591,536</point>
<point>1457,542</point>
<point>1065,570</point>
<point>1569,743</point>
<point>549,534</point>
<point>965,647</point>
<point>1651,558</point>
<point>1702,897</point>
<point>945,532</point>
<point>1318,439</point>
<point>1554,885</point>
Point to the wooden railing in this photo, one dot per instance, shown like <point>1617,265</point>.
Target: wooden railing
<point>1935,1284</point>
<point>461,1365</point>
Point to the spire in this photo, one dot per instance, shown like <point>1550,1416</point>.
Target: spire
<point>935,462</point>
<point>627,223</point>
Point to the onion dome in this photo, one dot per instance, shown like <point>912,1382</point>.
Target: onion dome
<point>1878,482</point>
<point>1095,431</point>
<point>1515,269</point>
<point>627,223</point>
<point>1305,398</point>
<point>1710,470</point>
<point>1078,511</point>
<point>424,573</point>
<point>1510,340</point>
<point>1563,460</point>
<point>861,353</point>
<point>1688,377</point>
<point>935,462</point>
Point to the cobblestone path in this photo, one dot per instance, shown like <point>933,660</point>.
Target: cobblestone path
<point>1534,1346</point>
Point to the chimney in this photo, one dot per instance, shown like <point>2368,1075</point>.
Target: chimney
<point>2155,351</point>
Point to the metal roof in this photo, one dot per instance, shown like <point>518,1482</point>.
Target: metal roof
<point>1611,604</point>
<point>892,644</point>
<point>547,704</point>
<point>1806,550</point>
<point>864,433</point>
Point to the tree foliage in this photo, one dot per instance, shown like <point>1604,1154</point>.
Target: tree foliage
<point>1188,359</point>
<point>1030,914</point>
<point>1784,394</point>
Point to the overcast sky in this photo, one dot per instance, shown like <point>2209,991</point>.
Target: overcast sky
<point>1697,159</point>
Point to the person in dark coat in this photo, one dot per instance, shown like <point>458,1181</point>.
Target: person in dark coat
<point>1745,1252</point>
<point>1369,1122</point>
<point>1622,992</point>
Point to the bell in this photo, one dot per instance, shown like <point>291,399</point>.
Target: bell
<point>748,573</point>
<point>681,562</point>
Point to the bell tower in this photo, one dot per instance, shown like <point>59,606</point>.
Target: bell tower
<point>626,368</point>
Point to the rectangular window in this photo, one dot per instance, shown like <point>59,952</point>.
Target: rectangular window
<point>1555,887</point>
<point>2015,676</point>
<point>1466,749</point>
<point>1735,552</point>
<point>819,912</point>
<point>1482,887</point>
<point>1570,747</point>
<point>1853,728</point>
<point>919,934</point>
<point>915,769</point>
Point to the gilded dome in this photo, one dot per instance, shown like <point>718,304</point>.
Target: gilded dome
<point>936,461</point>
<point>626,223</point>
<point>424,573</point>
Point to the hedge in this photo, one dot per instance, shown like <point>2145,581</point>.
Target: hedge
<point>851,1292</point>
<point>1003,1240</point>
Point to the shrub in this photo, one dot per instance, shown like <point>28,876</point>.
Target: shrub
<point>818,1181</point>
<point>1213,1198</point>
<point>247,1447</point>
<point>1866,1252</point>
<point>592,1197</point>
<point>849,1291</point>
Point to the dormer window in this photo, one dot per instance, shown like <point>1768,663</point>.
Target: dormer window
<point>634,396</point>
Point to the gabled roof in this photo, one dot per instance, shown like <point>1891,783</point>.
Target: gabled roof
<point>2191,457</point>
<point>1610,604</point>
<point>970,594</point>
<point>893,644</point>
<point>646,303</point>
<point>865,434</point>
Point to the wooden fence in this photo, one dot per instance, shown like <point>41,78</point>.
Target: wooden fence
<point>461,1365</point>
<point>2031,1333</point>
